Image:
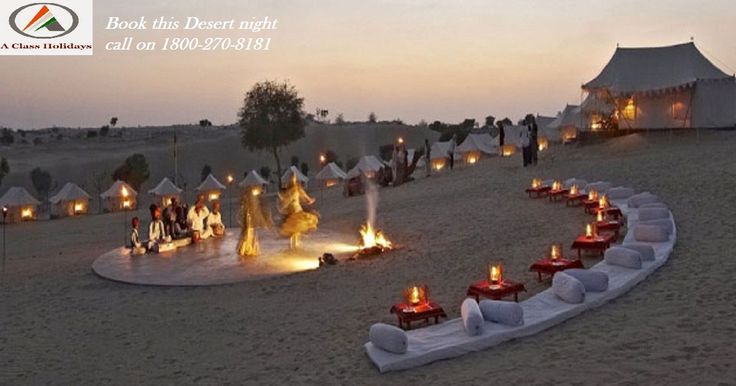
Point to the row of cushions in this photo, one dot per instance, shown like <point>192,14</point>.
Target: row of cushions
<point>475,314</point>
<point>629,255</point>
<point>572,284</point>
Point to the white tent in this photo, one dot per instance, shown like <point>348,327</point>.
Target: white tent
<point>293,170</point>
<point>368,165</point>
<point>165,191</point>
<point>165,188</point>
<point>253,179</point>
<point>69,201</point>
<point>120,196</point>
<point>439,153</point>
<point>331,172</point>
<point>566,126</point>
<point>662,87</point>
<point>479,143</point>
<point>20,204</point>
<point>211,187</point>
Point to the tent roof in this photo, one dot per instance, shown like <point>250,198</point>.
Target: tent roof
<point>17,196</point>
<point>253,178</point>
<point>210,183</point>
<point>569,117</point>
<point>543,121</point>
<point>330,171</point>
<point>69,192</point>
<point>479,142</point>
<point>165,188</point>
<point>293,170</point>
<point>648,69</point>
<point>366,163</point>
<point>440,149</point>
<point>116,190</point>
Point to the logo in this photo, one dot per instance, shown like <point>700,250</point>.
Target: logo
<point>43,20</point>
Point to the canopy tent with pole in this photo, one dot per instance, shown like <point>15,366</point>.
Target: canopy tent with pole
<point>165,191</point>
<point>330,175</point>
<point>293,170</point>
<point>71,200</point>
<point>21,205</point>
<point>211,188</point>
<point>475,145</point>
<point>120,197</point>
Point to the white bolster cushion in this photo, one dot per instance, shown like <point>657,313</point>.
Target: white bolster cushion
<point>574,181</point>
<point>619,193</point>
<point>508,313</point>
<point>642,198</point>
<point>650,233</point>
<point>663,223</point>
<point>548,182</point>
<point>599,186</point>
<point>593,281</point>
<point>472,317</point>
<point>646,214</point>
<point>645,250</point>
<point>653,205</point>
<point>623,257</point>
<point>568,288</point>
<point>388,338</point>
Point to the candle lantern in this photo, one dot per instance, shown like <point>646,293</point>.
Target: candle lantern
<point>599,216</point>
<point>417,295</point>
<point>556,185</point>
<point>603,202</point>
<point>574,190</point>
<point>555,252</point>
<point>592,195</point>
<point>589,231</point>
<point>536,183</point>
<point>495,274</point>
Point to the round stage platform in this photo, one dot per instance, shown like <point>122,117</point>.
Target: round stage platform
<point>215,261</point>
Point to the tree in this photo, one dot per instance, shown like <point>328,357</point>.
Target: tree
<point>372,117</point>
<point>386,151</point>
<point>4,169</point>
<point>205,123</point>
<point>91,133</point>
<point>206,171</point>
<point>294,161</point>
<point>340,120</point>
<point>330,156</point>
<point>265,172</point>
<point>7,138</point>
<point>271,118</point>
<point>134,171</point>
<point>113,121</point>
<point>490,120</point>
<point>351,163</point>
<point>304,168</point>
<point>42,181</point>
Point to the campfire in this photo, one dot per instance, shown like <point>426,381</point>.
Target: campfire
<point>373,241</point>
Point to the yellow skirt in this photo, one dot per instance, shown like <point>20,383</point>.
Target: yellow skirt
<point>300,222</point>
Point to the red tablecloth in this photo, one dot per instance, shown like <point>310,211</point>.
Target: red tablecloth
<point>555,195</point>
<point>540,191</point>
<point>407,313</point>
<point>506,288</point>
<point>550,267</point>
<point>600,243</point>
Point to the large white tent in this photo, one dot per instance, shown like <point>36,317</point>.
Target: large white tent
<point>661,87</point>
<point>21,206</point>
<point>330,175</point>
<point>211,187</point>
<point>165,191</point>
<point>253,181</point>
<point>476,144</point>
<point>120,196</point>
<point>293,170</point>
<point>368,165</point>
<point>71,200</point>
<point>565,127</point>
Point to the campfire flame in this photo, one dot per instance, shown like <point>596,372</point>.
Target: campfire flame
<point>373,238</point>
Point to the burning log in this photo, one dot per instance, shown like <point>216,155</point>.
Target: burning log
<point>373,241</point>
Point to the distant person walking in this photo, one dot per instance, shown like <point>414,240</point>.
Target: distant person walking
<point>525,140</point>
<point>451,150</point>
<point>427,157</point>
<point>501,135</point>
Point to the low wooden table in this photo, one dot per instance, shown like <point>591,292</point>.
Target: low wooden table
<point>538,192</point>
<point>495,292</point>
<point>611,212</point>
<point>609,226</point>
<point>556,195</point>
<point>590,206</point>
<point>575,200</point>
<point>596,243</point>
<point>408,314</point>
<point>550,267</point>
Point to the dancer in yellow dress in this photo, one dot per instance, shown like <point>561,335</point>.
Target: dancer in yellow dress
<point>253,215</point>
<point>296,220</point>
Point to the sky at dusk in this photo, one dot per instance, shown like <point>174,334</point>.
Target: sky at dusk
<point>407,59</point>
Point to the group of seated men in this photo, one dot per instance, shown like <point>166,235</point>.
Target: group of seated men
<point>178,225</point>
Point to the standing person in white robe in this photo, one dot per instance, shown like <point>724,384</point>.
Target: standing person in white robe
<point>196,217</point>
<point>156,230</point>
<point>214,220</point>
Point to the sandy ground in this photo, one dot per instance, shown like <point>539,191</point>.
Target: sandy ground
<point>61,324</point>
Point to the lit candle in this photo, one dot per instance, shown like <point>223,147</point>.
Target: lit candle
<point>589,231</point>
<point>556,185</point>
<point>574,190</point>
<point>600,217</point>
<point>554,253</point>
<point>592,195</point>
<point>416,295</point>
<point>495,273</point>
<point>536,183</point>
<point>603,202</point>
